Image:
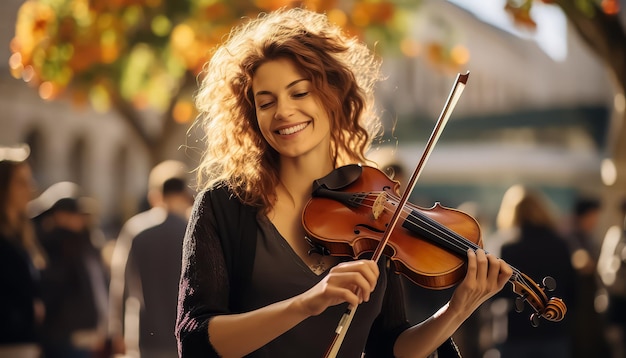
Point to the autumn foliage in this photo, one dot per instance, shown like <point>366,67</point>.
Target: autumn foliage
<point>143,50</point>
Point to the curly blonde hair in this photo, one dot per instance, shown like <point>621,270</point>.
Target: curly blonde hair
<point>343,72</point>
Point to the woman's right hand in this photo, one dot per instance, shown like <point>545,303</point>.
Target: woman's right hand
<point>351,282</point>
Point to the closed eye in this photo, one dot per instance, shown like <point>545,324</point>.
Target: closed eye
<point>265,105</point>
<point>301,94</point>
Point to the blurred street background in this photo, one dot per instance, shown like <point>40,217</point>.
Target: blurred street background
<point>102,91</point>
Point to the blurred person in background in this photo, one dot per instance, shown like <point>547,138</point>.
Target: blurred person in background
<point>588,326</point>
<point>21,259</point>
<point>90,208</point>
<point>536,248</point>
<point>154,262</point>
<point>74,282</point>
<point>612,271</point>
<point>125,286</point>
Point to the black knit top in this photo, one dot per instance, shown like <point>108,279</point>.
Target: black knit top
<point>220,271</point>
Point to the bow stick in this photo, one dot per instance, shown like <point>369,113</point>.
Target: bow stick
<point>453,97</point>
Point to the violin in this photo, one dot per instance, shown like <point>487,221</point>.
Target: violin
<point>351,209</point>
<point>355,210</point>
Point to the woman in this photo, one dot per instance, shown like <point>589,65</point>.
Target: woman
<point>285,101</point>
<point>21,308</point>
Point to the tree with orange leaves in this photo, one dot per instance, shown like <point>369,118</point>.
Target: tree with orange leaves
<point>133,55</point>
<point>143,56</point>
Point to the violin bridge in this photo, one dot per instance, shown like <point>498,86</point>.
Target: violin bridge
<point>379,205</point>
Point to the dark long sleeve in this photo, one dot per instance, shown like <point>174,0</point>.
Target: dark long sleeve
<point>19,286</point>
<point>204,286</point>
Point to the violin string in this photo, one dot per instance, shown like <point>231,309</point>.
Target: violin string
<point>455,242</point>
<point>454,239</point>
<point>432,227</point>
<point>446,235</point>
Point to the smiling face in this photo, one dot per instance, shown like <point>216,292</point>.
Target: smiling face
<point>289,114</point>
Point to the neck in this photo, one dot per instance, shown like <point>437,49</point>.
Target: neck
<point>178,205</point>
<point>297,176</point>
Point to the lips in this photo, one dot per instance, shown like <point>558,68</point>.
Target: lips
<point>292,129</point>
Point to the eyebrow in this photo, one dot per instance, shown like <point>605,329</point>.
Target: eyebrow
<point>286,87</point>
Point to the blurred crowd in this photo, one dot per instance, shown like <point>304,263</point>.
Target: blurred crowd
<point>68,291</point>
<point>587,267</point>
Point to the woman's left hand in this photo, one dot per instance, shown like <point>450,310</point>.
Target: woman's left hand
<point>486,275</point>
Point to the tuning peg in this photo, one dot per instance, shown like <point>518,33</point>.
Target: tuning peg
<point>534,320</point>
<point>549,283</point>
<point>519,304</point>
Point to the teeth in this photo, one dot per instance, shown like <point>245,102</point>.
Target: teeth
<point>291,130</point>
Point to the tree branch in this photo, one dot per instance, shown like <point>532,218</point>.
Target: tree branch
<point>603,33</point>
<point>131,116</point>
<point>169,123</point>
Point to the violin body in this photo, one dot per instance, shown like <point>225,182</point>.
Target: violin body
<point>355,231</point>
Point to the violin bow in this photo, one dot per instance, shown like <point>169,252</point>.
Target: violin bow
<point>453,98</point>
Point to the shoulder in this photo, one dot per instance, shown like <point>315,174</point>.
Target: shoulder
<point>219,192</point>
<point>216,209</point>
<point>143,221</point>
<point>161,228</point>
<point>207,196</point>
<point>166,234</point>
<point>221,200</point>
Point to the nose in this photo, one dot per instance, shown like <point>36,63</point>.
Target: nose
<point>284,109</point>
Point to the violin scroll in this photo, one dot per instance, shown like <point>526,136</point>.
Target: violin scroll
<point>552,309</point>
